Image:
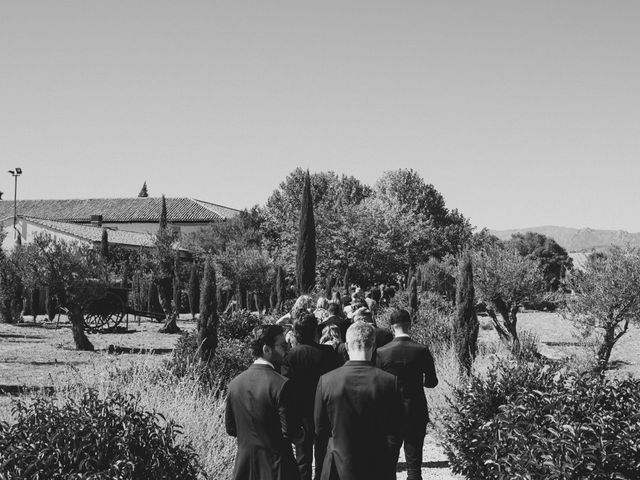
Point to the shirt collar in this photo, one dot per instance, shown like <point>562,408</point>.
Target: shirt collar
<point>262,361</point>
<point>402,335</point>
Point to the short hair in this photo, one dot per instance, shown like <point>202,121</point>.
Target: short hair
<point>334,309</point>
<point>264,335</point>
<point>322,303</point>
<point>400,316</point>
<point>305,328</point>
<point>361,336</point>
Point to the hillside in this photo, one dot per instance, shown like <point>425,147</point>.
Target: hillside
<point>577,239</point>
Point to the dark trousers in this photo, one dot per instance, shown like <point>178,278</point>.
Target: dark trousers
<point>305,451</point>
<point>413,443</point>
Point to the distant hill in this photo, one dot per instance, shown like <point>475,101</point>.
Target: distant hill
<point>578,239</point>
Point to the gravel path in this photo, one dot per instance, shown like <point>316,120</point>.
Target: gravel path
<point>435,465</point>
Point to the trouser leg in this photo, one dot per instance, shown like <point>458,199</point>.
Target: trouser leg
<point>304,453</point>
<point>413,445</point>
<point>395,442</point>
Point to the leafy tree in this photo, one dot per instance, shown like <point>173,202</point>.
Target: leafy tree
<point>11,285</point>
<point>68,270</point>
<point>333,196</point>
<point>504,280</point>
<point>554,260</point>
<point>466,325</point>
<point>233,234</point>
<point>413,297</point>
<point>306,254</point>
<point>438,276</point>
<point>208,323</point>
<point>606,297</point>
<point>248,269</point>
<point>281,289</point>
<point>143,191</point>
<point>483,240</point>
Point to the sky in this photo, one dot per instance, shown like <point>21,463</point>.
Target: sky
<point>521,113</point>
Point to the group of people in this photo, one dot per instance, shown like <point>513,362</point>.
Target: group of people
<point>347,404</point>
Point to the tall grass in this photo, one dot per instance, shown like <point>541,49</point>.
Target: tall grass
<point>199,411</point>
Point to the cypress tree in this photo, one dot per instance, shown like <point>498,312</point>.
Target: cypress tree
<point>104,245</point>
<point>466,326</point>
<point>413,297</point>
<point>345,281</point>
<point>176,294</point>
<point>153,305</point>
<point>208,324</point>
<point>164,223</point>
<point>329,288</point>
<point>49,304</point>
<point>306,255</point>
<point>143,191</point>
<point>273,299</point>
<point>281,289</point>
<point>194,290</point>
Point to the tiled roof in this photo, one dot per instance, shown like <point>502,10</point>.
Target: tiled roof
<point>139,209</point>
<point>94,234</point>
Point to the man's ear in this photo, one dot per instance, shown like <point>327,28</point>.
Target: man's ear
<point>266,351</point>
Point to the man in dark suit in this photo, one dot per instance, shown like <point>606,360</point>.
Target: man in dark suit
<point>304,365</point>
<point>412,364</point>
<point>259,412</point>
<point>359,406</point>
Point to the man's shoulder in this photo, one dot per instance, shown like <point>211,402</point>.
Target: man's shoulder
<point>257,373</point>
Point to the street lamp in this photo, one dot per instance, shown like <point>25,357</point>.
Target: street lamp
<point>16,173</point>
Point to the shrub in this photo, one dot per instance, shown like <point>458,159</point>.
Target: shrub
<point>238,325</point>
<point>93,438</point>
<point>534,421</point>
<point>231,358</point>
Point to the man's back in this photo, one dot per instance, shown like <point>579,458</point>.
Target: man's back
<point>357,404</point>
<point>412,364</point>
<point>257,413</point>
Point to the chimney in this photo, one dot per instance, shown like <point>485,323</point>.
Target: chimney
<point>96,220</point>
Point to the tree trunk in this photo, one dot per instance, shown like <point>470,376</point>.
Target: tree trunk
<point>77,328</point>
<point>165,290</point>
<point>604,352</point>
<point>507,328</point>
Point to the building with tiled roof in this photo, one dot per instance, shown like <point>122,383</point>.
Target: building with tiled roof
<point>139,214</point>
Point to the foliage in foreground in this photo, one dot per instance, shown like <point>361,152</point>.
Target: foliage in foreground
<point>93,438</point>
<point>527,420</point>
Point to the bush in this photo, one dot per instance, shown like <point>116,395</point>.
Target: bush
<point>237,325</point>
<point>527,420</point>
<point>232,357</point>
<point>93,439</point>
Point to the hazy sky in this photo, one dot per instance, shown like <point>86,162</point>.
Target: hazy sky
<point>520,113</point>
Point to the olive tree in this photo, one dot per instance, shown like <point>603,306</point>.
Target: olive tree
<point>605,297</point>
<point>71,273</point>
<point>504,280</point>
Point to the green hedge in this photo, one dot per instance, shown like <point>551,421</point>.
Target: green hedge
<point>534,421</point>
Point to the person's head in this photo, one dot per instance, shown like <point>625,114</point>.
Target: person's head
<point>360,341</point>
<point>400,320</point>
<point>322,303</point>
<point>331,333</point>
<point>334,309</point>
<point>269,344</point>
<point>305,328</point>
<point>303,304</point>
<point>363,314</point>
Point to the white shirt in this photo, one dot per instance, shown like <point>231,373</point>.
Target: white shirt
<point>262,361</point>
<point>400,335</point>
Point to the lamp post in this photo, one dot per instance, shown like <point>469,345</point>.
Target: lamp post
<point>16,173</point>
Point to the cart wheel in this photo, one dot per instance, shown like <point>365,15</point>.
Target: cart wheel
<point>104,313</point>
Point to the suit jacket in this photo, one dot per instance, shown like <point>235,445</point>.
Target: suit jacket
<point>413,364</point>
<point>358,405</point>
<point>304,365</point>
<point>259,413</point>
